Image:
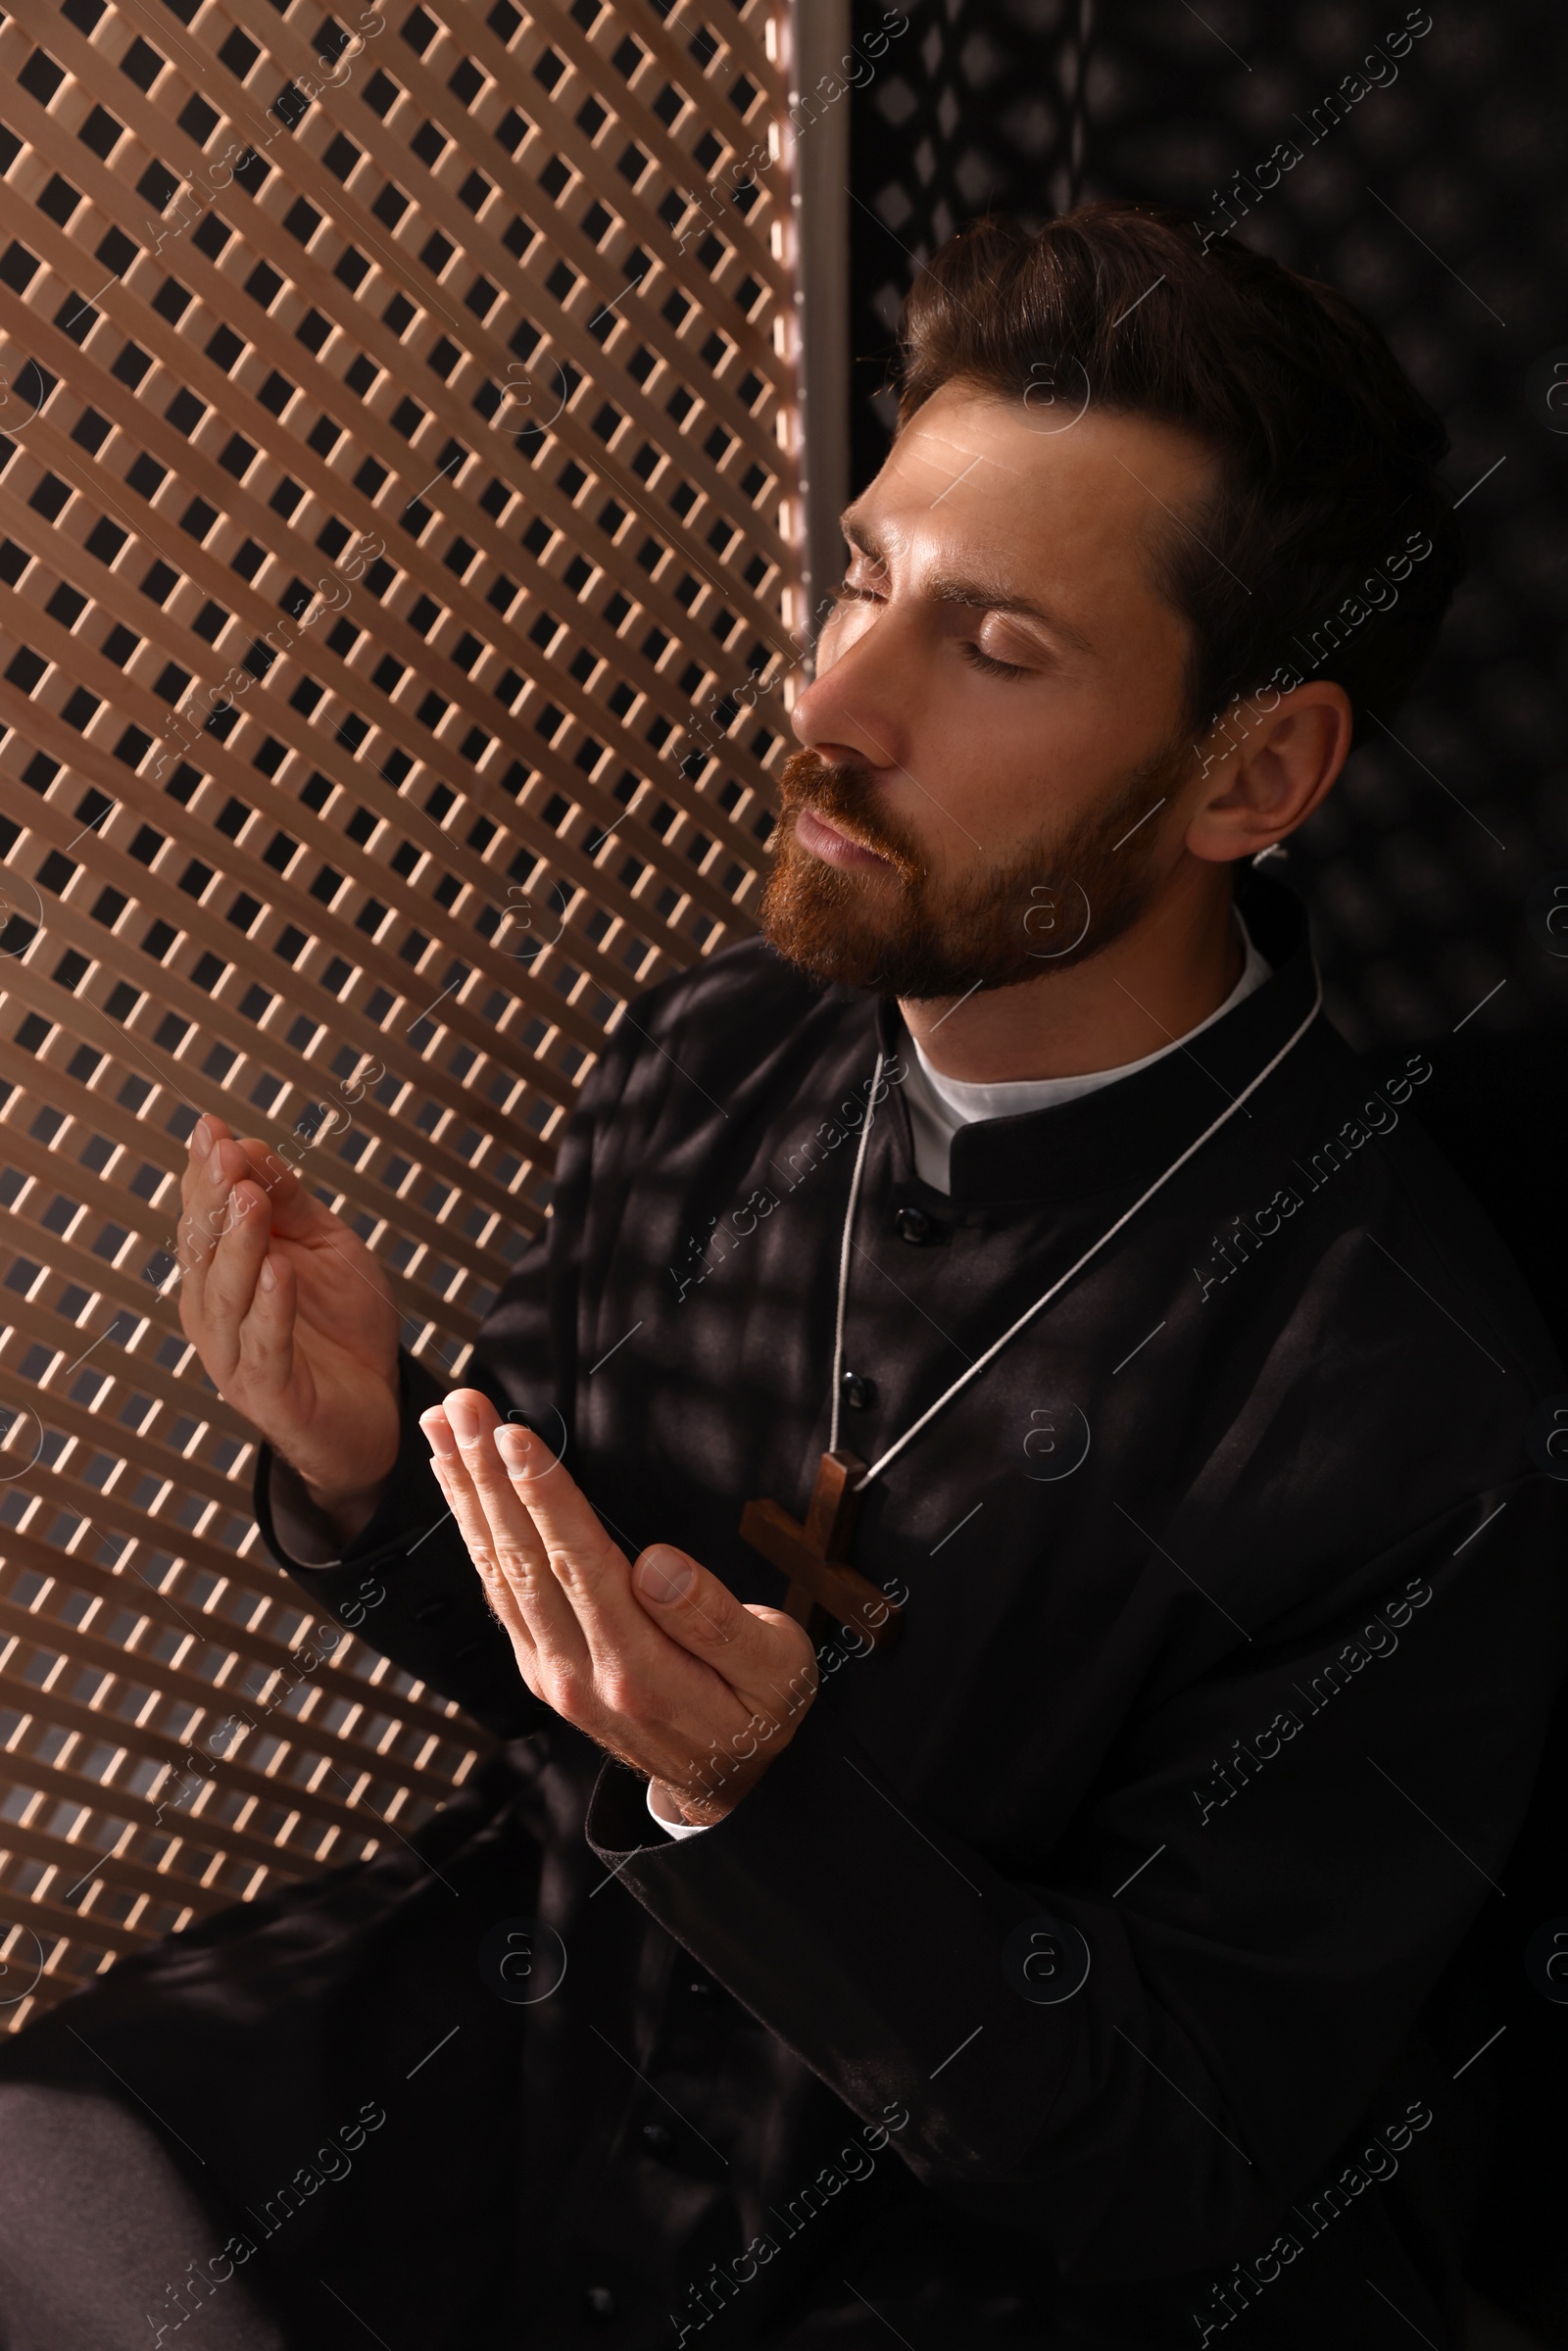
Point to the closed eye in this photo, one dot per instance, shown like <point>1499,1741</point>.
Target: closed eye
<point>850,591</point>
<point>987,661</point>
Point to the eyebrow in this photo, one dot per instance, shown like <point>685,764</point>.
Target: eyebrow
<point>977,592</point>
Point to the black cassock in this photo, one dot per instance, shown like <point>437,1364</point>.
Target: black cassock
<point>1229,1639</point>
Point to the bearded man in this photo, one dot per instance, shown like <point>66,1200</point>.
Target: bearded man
<point>997,1527</point>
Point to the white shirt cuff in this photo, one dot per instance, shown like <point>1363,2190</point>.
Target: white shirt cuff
<point>676,1827</point>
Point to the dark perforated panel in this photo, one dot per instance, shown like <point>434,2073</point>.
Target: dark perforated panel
<point>393,488</point>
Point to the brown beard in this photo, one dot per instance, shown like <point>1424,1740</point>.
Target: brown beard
<point>1061,898</point>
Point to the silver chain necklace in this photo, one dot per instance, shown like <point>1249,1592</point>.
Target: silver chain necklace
<point>1029,1313</point>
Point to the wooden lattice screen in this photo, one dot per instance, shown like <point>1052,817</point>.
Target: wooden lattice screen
<point>397,482</point>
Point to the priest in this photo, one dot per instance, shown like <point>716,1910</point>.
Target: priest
<point>1003,1528</point>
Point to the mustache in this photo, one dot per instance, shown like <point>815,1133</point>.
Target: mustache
<point>845,795</point>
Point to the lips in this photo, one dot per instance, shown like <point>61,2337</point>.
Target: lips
<point>835,847</point>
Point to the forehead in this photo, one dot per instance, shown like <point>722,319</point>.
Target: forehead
<point>1038,498</point>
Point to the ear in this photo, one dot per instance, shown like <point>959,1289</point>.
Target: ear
<point>1264,771</point>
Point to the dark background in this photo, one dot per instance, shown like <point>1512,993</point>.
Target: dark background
<point>1427,868</point>
<point>1420,869</point>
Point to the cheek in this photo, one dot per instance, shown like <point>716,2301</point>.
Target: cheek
<point>1005,762</point>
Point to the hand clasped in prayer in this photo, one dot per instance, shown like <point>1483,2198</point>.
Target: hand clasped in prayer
<point>656,1660</point>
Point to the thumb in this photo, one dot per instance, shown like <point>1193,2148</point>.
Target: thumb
<point>667,1575</point>
<point>759,1652</point>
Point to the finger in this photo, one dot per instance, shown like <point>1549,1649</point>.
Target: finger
<point>297,1213</point>
<point>208,1129</point>
<point>204,1209</point>
<point>205,1136</point>
<point>589,1566</point>
<point>456,1490</point>
<point>498,1531</point>
<point>568,1525</point>
<point>205,1189</point>
<point>500,1598</point>
<point>519,1554</point>
<point>209,1132</point>
<point>266,1333</point>
<point>231,1275</point>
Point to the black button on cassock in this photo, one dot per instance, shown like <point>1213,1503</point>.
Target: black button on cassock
<point>658,2137</point>
<point>860,1393</point>
<point>915,1226</point>
<point>599,2302</point>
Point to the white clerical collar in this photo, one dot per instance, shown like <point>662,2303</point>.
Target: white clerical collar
<point>939,1106</point>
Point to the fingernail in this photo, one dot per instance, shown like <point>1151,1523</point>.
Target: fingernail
<point>438,1433</point>
<point>266,1277</point>
<point>215,1163</point>
<point>664,1574</point>
<point>514,1446</point>
<point>200,1141</point>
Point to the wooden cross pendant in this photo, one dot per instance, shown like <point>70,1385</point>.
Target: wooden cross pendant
<point>815,1557</point>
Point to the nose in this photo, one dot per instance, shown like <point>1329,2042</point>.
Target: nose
<point>822,724</point>
<point>855,711</point>
<point>854,736</point>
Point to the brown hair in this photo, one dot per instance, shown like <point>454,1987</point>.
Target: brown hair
<point>1328,547</point>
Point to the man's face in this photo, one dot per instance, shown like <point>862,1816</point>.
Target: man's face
<point>988,794</point>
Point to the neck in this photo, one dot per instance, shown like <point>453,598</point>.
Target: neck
<point>1173,968</point>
